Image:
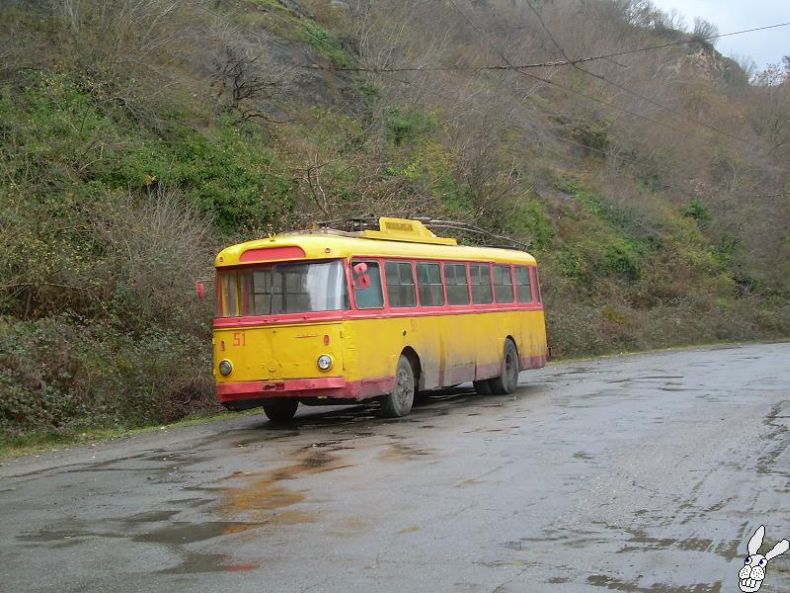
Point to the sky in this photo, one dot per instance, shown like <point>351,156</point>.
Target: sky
<point>764,47</point>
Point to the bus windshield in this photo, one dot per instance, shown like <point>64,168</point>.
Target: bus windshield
<point>282,288</point>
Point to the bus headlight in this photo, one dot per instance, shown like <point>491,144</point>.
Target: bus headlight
<point>225,368</point>
<point>324,362</point>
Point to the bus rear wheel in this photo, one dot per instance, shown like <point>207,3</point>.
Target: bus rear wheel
<point>280,411</point>
<point>400,400</point>
<point>507,382</point>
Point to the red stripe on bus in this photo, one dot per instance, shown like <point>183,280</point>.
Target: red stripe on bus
<point>356,314</point>
<point>271,254</point>
<point>331,387</point>
<point>339,388</point>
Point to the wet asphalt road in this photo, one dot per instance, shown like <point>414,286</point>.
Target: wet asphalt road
<point>644,473</point>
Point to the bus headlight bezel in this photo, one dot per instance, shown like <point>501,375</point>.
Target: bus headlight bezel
<point>324,362</point>
<point>225,368</point>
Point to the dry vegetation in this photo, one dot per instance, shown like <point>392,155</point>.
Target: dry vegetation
<point>137,136</point>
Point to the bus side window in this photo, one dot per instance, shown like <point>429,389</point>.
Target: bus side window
<point>523,285</point>
<point>538,296</point>
<point>457,286</point>
<point>367,284</point>
<point>503,284</point>
<point>429,279</point>
<point>400,284</point>
<point>481,284</point>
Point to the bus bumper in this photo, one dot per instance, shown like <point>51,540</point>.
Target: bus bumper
<point>322,387</point>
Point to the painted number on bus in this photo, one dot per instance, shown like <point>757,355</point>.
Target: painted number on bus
<point>239,339</point>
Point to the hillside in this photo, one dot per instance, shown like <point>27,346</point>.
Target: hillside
<point>138,137</point>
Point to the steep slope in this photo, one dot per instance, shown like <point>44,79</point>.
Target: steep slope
<point>138,137</point>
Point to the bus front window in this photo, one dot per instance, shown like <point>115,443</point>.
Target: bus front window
<point>227,303</point>
<point>288,288</point>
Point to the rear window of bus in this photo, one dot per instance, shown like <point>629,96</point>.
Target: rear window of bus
<point>523,287</point>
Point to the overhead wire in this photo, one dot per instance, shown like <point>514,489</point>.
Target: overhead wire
<point>628,90</point>
<point>548,64</point>
<point>519,70</point>
<point>556,84</point>
<point>597,99</point>
<point>553,83</point>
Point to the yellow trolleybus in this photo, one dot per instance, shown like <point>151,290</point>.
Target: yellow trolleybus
<point>327,317</point>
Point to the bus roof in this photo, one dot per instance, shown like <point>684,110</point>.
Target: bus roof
<point>327,244</point>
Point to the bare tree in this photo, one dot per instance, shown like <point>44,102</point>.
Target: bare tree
<point>703,32</point>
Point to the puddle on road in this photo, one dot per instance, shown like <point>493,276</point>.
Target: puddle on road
<point>659,377</point>
<point>195,563</point>
<point>259,500</point>
<point>399,452</point>
<point>64,536</point>
<point>616,584</point>
<point>262,495</point>
<point>644,543</point>
<point>411,529</point>
<point>641,542</point>
<point>187,533</point>
<point>150,517</point>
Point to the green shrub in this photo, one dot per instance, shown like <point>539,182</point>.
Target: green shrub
<point>326,44</point>
<point>697,210</point>
<point>572,265</point>
<point>622,258</point>
<point>406,127</point>
<point>61,375</point>
<point>532,219</point>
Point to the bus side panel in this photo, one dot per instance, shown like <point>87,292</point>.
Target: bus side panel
<point>532,347</point>
<point>528,332</point>
<point>372,347</point>
<point>447,347</point>
<point>459,338</point>
<point>487,344</point>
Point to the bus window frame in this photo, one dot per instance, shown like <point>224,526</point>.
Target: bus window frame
<point>537,297</point>
<point>438,263</point>
<point>468,303</point>
<point>488,265</point>
<point>352,289</point>
<point>512,283</point>
<point>396,260</point>
<point>518,287</point>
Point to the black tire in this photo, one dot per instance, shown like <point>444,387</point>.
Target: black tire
<point>482,387</point>
<point>508,380</point>
<point>399,402</point>
<point>280,411</point>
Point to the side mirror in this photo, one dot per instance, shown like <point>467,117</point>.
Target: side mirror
<point>200,288</point>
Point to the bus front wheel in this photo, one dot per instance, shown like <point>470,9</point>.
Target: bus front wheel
<point>400,400</point>
<point>280,410</point>
<point>507,382</point>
